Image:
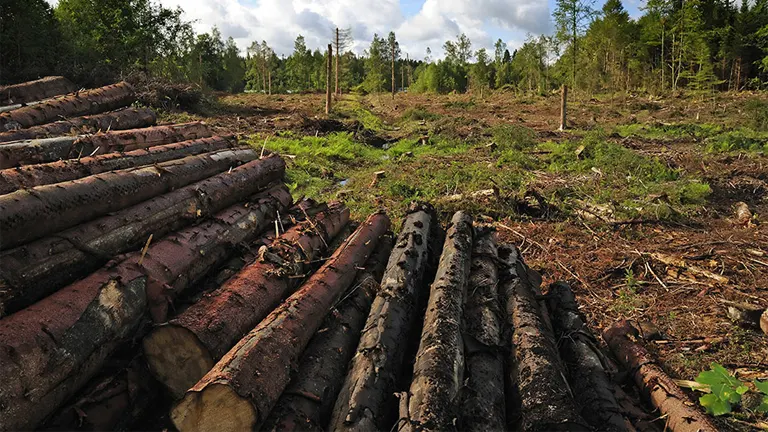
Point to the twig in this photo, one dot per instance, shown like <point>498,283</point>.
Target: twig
<point>146,247</point>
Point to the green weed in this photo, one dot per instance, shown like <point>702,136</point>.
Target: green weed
<point>757,113</point>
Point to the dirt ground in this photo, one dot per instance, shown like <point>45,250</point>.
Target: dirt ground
<point>610,263</point>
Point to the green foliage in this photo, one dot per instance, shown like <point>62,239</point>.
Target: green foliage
<point>738,140</point>
<point>514,136</point>
<point>757,112</point>
<point>418,113</point>
<point>726,391</point>
<point>31,40</point>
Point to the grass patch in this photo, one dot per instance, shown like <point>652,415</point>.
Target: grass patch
<point>738,140</point>
<point>460,104</point>
<point>757,113</point>
<point>418,113</point>
<point>662,131</point>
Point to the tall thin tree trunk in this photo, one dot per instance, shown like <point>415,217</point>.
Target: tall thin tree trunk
<point>663,62</point>
<point>338,49</point>
<point>393,71</point>
<point>328,80</point>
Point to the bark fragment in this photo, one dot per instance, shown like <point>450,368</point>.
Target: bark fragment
<point>253,374</point>
<point>29,214</point>
<point>36,90</point>
<point>181,352</point>
<point>307,402</point>
<point>681,414</point>
<point>366,401</point>
<point>438,373</point>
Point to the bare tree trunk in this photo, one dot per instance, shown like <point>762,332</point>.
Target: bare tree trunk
<point>328,81</point>
<point>31,91</point>
<point>274,345</point>
<point>563,108</point>
<point>338,52</point>
<point>393,72</point>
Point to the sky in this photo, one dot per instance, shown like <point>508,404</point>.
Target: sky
<point>418,24</point>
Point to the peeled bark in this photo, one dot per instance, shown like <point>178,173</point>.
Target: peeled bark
<point>240,391</point>
<point>49,350</point>
<point>367,397</point>
<point>29,176</point>
<point>181,352</point>
<point>36,90</point>
<point>680,413</point>
<point>35,270</point>
<point>482,399</point>
<point>82,103</point>
<point>307,402</point>
<point>53,149</point>
<point>539,394</point>
<point>438,373</point>
<point>127,118</point>
<point>589,382</point>
<point>26,215</point>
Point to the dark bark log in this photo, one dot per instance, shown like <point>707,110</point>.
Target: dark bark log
<point>36,90</point>
<point>589,382</point>
<point>482,399</point>
<point>307,402</point>
<point>243,387</point>
<point>681,414</point>
<point>367,400</point>
<point>29,176</point>
<point>26,215</point>
<point>35,270</point>
<point>438,373</point>
<point>748,315</point>
<point>83,103</point>
<point>53,149</point>
<point>127,118</point>
<point>49,350</point>
<point>183,351</point>
<point>539,396</point>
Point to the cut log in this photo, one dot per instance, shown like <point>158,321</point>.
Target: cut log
<point>307,402</point>
<point>482,399</point>
<point>83,103</point>
<point>127,118</point>
<point>539,395</point>
<point>366,401</point>
<point>183,351</point>
<point>26,215</point>
<point>680,413</point>
<point>748,315</point>
<point>35,270</point>
<point>29,176</point>
<point>438,373</point>
<point>36,90</point>
<point>243,387</point>
<point>53,149</point>
<point>49,350</point>
<point>589,382</point>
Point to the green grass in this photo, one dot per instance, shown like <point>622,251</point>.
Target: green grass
<point>738,140</point>
<point>669,131</point>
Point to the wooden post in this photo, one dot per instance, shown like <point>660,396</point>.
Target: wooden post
<point>328,81</point>
<point>563,102</point>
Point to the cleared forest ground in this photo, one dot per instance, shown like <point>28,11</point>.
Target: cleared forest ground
<point>603,205</point>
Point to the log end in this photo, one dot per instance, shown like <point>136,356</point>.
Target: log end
<point>217,407</point>
<point>764,322</point>
<point>177,358</point>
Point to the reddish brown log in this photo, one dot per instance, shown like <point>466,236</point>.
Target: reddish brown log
<point>83,103</point>
<point>367,397</point>
<point>680,413</point>
<point>49,350</point>
<point>589,382</point>
<point>183,351</point>
<point>29,176</point>
<point>438,373</point>
<point>31,91</point>
<point>240,391</point>
<point>35,270</point>
<point>29,214</point>
<point>539,394</point>
<point>128,118</point>
<point>307,402</point>
<point>53,149</point>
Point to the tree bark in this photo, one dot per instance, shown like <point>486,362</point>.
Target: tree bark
<point>26,215</point>
<point>438,373</point>
<point>49,350</point>
<point>83,103</point>
<point>181,352</point>
<point>563,108</point>
<point>539,395</point>
<point>482,399</point>
<point>35,270</point>
<point>328,81</point>
<point>590,384</point>
<point>128,118</point>
<point>52,149</point>
<point>367,397</point>
<point>253,374</point>
<point>307,402</point>
<point>29,176</point>
<point>681,415</point>
<point>36,90</point>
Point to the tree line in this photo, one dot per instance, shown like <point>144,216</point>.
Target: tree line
<point>674,44</point>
